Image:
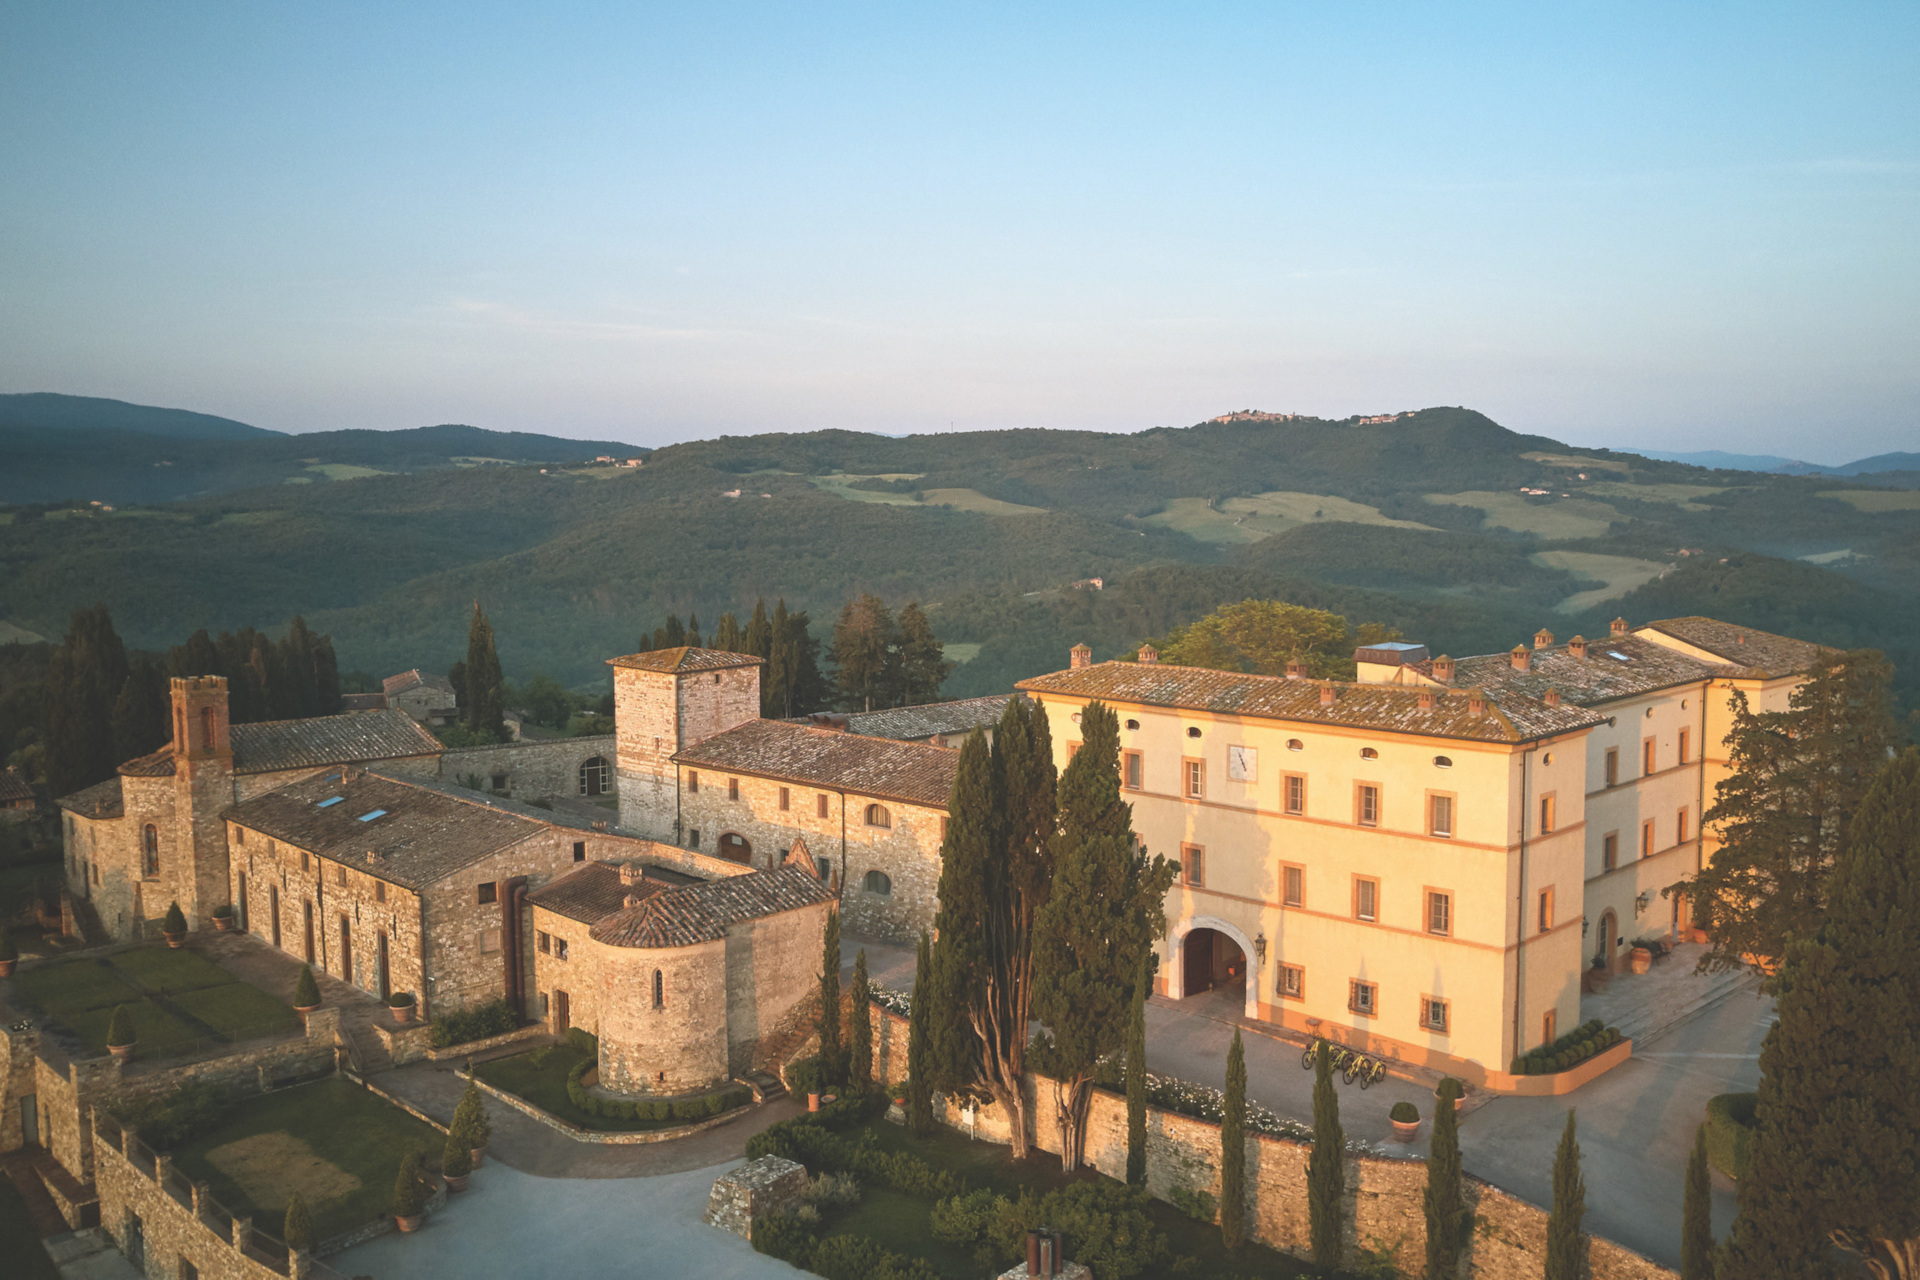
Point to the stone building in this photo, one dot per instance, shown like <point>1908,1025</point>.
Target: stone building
<point>937,724</point>
<point>429,699</point>
<point>685,982</point>
<point>17,802</point>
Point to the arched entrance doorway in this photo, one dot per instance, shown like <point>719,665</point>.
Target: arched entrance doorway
<point>734,848</point>
<point>1604,944</point>
<point>1212,961</point>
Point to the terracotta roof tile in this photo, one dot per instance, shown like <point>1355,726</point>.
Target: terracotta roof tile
<point>413,679</point>
<point>911,723</point>
<point>1762,653</point>
<point>701,912</point>
<point>1618,667</point>
<point>595,891</point>
<point>13,787</point>
<point>1508,717</point>
<point>908,771</point>
<point>101,800</point>
<point>685,658</point>
<point>352,737</point>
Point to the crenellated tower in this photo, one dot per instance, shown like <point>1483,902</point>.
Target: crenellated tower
<point>202,791</point>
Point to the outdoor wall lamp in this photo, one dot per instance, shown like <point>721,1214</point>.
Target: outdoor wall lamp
<point>1260,948</point>
<point>1641,903</point>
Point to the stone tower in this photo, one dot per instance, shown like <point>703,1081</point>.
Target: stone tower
<point>665,701</point>
<point>202,791</point>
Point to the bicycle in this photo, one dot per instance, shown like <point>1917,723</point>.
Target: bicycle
<point>1375,1072</point>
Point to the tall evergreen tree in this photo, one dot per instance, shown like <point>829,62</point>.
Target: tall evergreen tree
<point>776,679</point>
<point>1137,1075</point>
<point>672,635</point>
<point>1099,917</point>
<point>1233,1149</point>
<point>84,680</point>
<point>860,1029</point>
<point>832,1055</point>
<point>1797,778</point>
<point>1566,1242</point>
<point>1835,1154</point>
<point>758,637</point>
<point>726,635</point>
<point>864,655</point>
<point>197,657</point>
<point>457,677</point>
<point>1696,1217</point>
<point>792,684</point>
<point>919,1063</point>
<point>140,713</point>
<point>484,680</point>
<point>1326,1166</point>
<point>693,632</point>
<point>922,661</point>
<point>1446,1212</point>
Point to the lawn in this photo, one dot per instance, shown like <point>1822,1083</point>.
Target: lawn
<point>178,999</point>
<point>541,1078</point>
<point>334,1142</point>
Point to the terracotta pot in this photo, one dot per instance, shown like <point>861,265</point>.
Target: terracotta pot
<point>6,968</point>
<point>175,940</point>
<point>223,923</point>
<point>479,1153</point>
<point>408,1224</point>
<point>813,1102</point>
<point>1406,1130</point>
<point>1641,959</point>
<point>455,1181</point>
<point>304,1009</point>
<point>121,1051</point>
<point>1696,935</point>
<point>402,1013</point>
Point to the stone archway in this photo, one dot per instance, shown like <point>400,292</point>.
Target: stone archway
<point>1177,937</point>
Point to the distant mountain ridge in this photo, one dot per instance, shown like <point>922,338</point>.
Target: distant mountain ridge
<point>48,410</point>
<point>1775,465</point>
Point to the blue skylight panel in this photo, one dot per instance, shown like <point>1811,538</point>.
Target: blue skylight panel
<point>329,800</point>
<point>371,814</point>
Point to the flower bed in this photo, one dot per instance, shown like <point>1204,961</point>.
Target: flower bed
<point>1570,1050</point>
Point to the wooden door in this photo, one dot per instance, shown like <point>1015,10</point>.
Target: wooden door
<point>346,950</point>
<point>306,916</point>
<point>386,981</point>
<point>273,911</point>
<point>562,1018</point>
<point>1196,962</point>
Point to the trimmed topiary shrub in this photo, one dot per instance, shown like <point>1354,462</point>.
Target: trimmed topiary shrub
<point>120,1027</point>
<point>1730,1132</point>
<point>1404,1112</point>
<point>176,920</point>
<point>400,1000</point>
<point>306,991</point>
<point>297,1231</point>
<point>222,912</point>
<point>806,1076</point>
<point>583,1041</point>
<point>456,1158</point>
<point>407,1196</point>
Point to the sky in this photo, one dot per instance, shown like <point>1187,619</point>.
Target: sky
<point>1660,226</point>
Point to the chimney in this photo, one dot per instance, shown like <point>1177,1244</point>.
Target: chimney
<point>1426,699</point>
<point>1553,697</point>
<point>1740,638</point>
<point>1079,656</point>
<point>1149,654</point>
<point>1522,660</point>
<point>1477,702</point>
<point>1296,670</point>
<point>599,824</point>
<point>630,874</point>
<point>374,855</point>
<point>1620,627</point>
<point>1577,646</point>
<point>1542,638</point>
<point>1443,669</point>
<point>1327,693</point>
<point>631,900</point>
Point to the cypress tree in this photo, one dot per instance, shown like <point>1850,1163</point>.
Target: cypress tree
<point>860,1029</point>
<point>484,712</point>
<point>1834,1154</point>
<point>1566,1242</point>
<point>863,654</point>
<point>919,1065</point>
<point>832,1057</point>
<point>1233,1150</point>
<point>298,1226</point>
<point>923,663</point>
<point>1137,1076</point>
<point>140,712</point>
<point>726,634</point>
<point>1696,1219</point>
<point>1446,1212</point>
<point>84,679</point>
<point>758,639</point>
<point>693,632</point>
<point>776,682</point>
<point>1326,1166</point>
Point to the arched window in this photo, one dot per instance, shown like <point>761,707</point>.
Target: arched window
<point>596,777</point>
<point>659,990</point>
<point>878,882</point>
<point>1368,753</point>
<point>877,816</point>
<point>735,848</point>
<point>150,850</point>
<point>1294,744</point>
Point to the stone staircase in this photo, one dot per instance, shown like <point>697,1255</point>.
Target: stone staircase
<point>1647,1006</point>
<point>766,1086</point>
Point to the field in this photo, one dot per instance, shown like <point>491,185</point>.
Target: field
<point>974,500</point>
<point>1876,501</point>
<point>345,470</point>
<point>1577,462</point>
<point>336,1144</point>
<point>1265,514</point>
<point>1555,518</point>
<point>1616,575</point>
<point>961,653</point>
<point>178,1000</point>
<point>1685,496</point>
<point>840,485</point>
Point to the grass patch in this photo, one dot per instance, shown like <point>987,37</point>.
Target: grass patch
<point>1685,496</point>
<point>1577,462</point>
<point>238,1011</point>
<point>178,999</point>
<point>338,1144</point>
<point>158,1033</point>
<point>975,501</point>
<point>62,989</point>
<point>1876,501</point>
<point>1616,575</point>
<point>958,653</point>
<point>22,1256</point>
<point>345,471</point>
<point>1558,518</point>
<point>1262,515</point>
<point>167,969</point>
<point>840,484</point>
<point>14,633</point>
<point>541,1078</point>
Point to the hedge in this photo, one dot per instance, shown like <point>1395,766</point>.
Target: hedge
<point>1570,1050</point>
<point>658,1109</point>
<point>841,1257</point>
<point>1730,1132</point>
<point>812,1140</point>
<point>493,1018</point>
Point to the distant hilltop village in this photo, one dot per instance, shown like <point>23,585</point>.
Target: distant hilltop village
<point>1261,415</point>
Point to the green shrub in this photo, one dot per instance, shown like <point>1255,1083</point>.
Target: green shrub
<point>1198,1205</point>
<point>806,1076</point>
<point>176,920</point>
<point>1107,1226</point>
<point>120,1026</point>
<point>222,912</point>
<point>470,1118</point>
<point>1404,1112</point>
<point>493,1018</point>
<point>660,1109</point>
<point>456,1158</point>
<point>163,1123</point>
<point>297,1230</point>
<point>407,1198</point>
<point>1730,1132</point>
<point>584,1042</point>
<point>400,1000</point>
<point>306,992</point>
<point>1453,1085</point>
<point>969,1220</point>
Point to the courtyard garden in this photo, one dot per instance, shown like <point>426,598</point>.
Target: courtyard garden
<point>177,1000</point>
<point>551,1079</point>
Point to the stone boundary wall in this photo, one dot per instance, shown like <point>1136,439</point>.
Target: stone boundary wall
<point>605,1137</point>
<point>534,767</point>
<point>1384,1196</point>
<point>169,1230</point>
<point>532,1031</point>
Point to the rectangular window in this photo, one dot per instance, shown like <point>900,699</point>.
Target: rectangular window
<point>1680,827</point>
<point>1440,816</point>
<point>693,838</point>
<point>1646,838</point>
<point>489,941</point>
<point>733,788</point>
<point>1549,1027</point>
<point>1613,766</point>
<point>499,782</point>
<point>1293,885</point>
<point>379,890</point>
<point>544,1005</point>
<point>1439,912</point>
<point>1363,997</point>
<point>1686,745</point>
<point>1291,982</point>
<point>1194,859</point>
<point>489,892</point>
<point>1546,910</point>
<point>693,782</point>
<point>1610,851</point>
<point>1243,764</point>
<point>340,876</point>
<point>1196,779</point>
<point>1433,1014</point>
<point>820,806</point>
<point>544,941</point>
<point>786,799</point>
<point>1547,815</point>
<point>1367,805</point>
<point>559,947</point>
<point>1293,795</point>
<point>1130,770</point>
<point>579,850</point>
<point>1366,898</point>
<point>1646,757</point>
<point>303,859</point>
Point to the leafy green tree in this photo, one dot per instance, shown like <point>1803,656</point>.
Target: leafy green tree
<point>1566,1242</point>
<point>1137,1075</point>
<point>297,1230</point>
<point>863,655</point>
<point>548,702</point>
<point>919,1063</point>
<point>84,680</point>
<point>1101,915</point>
<point>923,665</point>
<point>1834,1154</point>
<point>484,681</point>
<point>860,1029</point>
<point>1326,1166</point>
<point>1696,1218</point>
<point>1233,1149</point>
<point>1263,636</point>
<point>1797,778</point>
<point>672,635</point>
<point>1446,1212</point>
<point>832,1056</point>
<point>792,684</point>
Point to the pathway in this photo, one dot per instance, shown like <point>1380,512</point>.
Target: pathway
<point>1648,1005</point>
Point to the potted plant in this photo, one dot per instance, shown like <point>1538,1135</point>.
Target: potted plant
<point>9,954</point>
<point>120,1033</point>
<point>174,927</point>
<point>456,1161</point>
<point>297,1230</point>
<point>1449,1087</point>
<point>306,992</point>
<point>400,1005</point>
<point>470,1120</point>
<point>406,1194</point>
<point>1406,1121</point>
<point>804,1077</point>
<point>223,917</point>
<point>1640,959</point>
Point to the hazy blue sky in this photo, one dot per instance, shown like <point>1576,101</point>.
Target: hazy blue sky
<point>1677,226</point>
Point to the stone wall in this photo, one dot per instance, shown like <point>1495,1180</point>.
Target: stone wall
<point>574,968</point>
<point>532,767</point>
<point>142,1208</point>
<point>751,1192</point>
<point>677,1046</point>
<point>772,968</point>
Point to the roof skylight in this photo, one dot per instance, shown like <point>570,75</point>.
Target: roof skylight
<point>329,800</point>
<point>1618,657</point>
<point>371,814</point>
